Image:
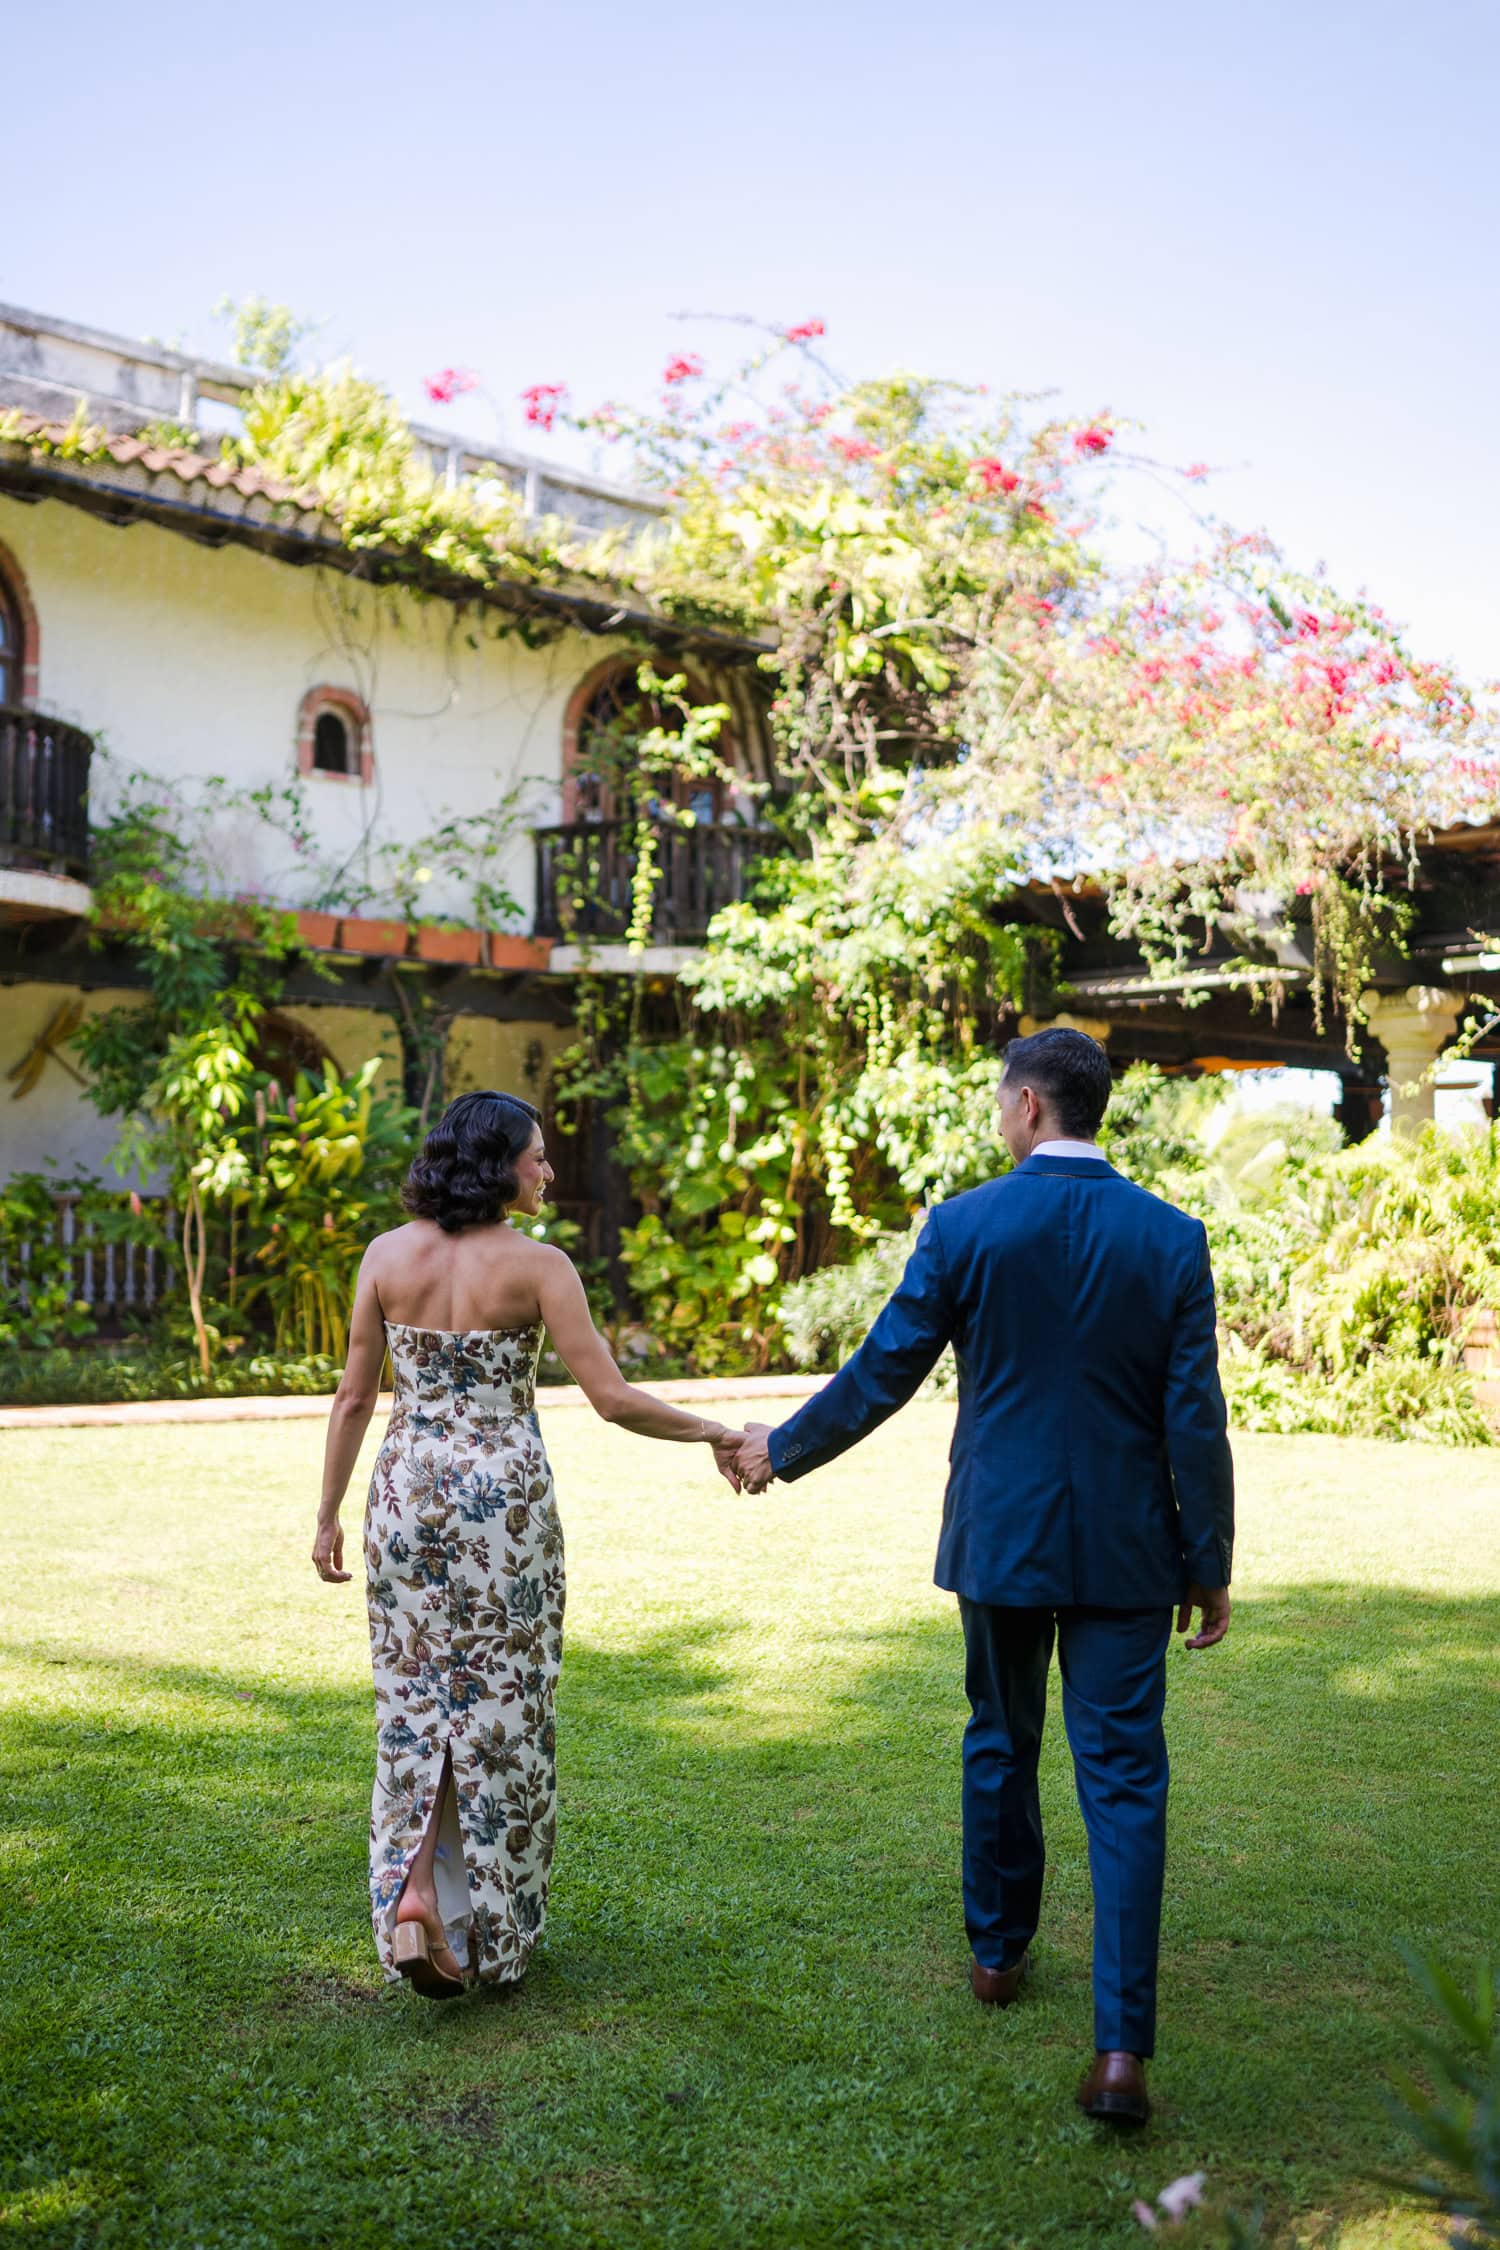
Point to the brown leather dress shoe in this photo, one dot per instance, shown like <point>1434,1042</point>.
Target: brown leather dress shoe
<point>998,1987</point>
<point>1115,2090</point>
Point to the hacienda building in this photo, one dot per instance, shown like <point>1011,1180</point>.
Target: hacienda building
<point>164,611</point>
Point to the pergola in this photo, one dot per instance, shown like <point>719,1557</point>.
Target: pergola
<point>1216,1015</point>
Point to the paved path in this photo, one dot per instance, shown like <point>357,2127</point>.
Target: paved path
<point>687,1393</point>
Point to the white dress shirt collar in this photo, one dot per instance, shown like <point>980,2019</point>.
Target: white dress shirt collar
<point>1071,1148</point>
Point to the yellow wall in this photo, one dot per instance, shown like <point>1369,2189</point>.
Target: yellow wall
<point>510,1058</point>
<point>55,1121</point>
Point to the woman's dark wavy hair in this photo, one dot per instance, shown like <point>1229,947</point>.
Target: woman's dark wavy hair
<point>466,1173</point>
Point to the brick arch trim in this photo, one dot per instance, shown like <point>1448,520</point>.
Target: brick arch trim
<point>349,705</point>
<point>583,695</point>
<point>13,579</point>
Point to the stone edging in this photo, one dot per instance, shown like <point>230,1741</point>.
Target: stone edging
<point>126,1411</point>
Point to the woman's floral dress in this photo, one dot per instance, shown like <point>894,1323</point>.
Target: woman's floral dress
<point>464,1564</point>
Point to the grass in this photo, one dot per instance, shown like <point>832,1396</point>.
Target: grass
<point>749,2025</point>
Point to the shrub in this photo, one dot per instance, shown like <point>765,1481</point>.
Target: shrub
<point>1458,2125</point>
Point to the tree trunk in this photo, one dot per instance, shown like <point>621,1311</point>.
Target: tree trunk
<point>194,1263</point>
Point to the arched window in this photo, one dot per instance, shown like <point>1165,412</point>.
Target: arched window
<point>333,735</point>
<point>333,743</point>
<point>18,636</point>
<point>603,781</point>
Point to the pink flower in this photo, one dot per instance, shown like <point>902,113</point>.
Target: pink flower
<point>1182,2196</point>
<point>136,1204</point>
<point>682,369</point>
<point>1095,439</point>
<point>805,331</point>
<point>1196,471</point>
<point>1144,2216</point>
<point>994,475</point>
<point>543,402</point>
<point>854,448</point>
<point>444,387</point>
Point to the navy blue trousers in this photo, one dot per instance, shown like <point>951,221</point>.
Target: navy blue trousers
<point>1114,1672</point>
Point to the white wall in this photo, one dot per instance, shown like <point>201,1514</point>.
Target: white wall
<point>186,660</point>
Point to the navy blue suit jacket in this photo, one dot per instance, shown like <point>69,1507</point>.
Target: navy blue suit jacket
<point>1090,1462</point>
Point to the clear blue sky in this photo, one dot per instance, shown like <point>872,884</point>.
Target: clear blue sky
<point>1268,231</point>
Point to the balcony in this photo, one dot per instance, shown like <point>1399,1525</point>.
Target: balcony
<point>585,871</point>
<point>44,816</point>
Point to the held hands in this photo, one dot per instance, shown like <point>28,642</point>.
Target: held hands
<point>741,1458</point>
<point>755,1467</point>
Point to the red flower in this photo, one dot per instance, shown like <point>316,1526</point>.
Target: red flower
<point>682,369</point>
<point>543,402</point>
<point>1095,439</point>
<point>854,448</point>
<point>805,331</point>
<point>444,387</point>
<point>1196,471</point>
<point>994,475</point>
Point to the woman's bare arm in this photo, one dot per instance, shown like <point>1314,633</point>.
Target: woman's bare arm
<point>353,1404</point>
<point>586,1356</point>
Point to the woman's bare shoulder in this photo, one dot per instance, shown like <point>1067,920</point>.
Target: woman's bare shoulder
<point>538,1258</point>
<point>382,1250</point>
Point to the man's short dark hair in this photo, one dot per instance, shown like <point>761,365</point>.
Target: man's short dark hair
<point>1071,1073</point>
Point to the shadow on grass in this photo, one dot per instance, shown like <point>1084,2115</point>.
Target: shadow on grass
<point>760,1871</point>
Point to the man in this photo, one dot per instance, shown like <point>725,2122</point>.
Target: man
<point>1090,1494</point>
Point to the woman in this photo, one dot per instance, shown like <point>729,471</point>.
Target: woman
<point>463,1548</point>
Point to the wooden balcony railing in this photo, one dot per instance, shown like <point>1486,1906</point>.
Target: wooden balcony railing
<point>44,793</point>
<point>585,872</point>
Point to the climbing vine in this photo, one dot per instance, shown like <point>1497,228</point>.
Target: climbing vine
<point>963,693</point>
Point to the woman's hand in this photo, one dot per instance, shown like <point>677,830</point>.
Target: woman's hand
<point>328,1551</point>
<point>726,1444</point>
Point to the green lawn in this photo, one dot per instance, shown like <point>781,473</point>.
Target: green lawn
<point>750,2023</point>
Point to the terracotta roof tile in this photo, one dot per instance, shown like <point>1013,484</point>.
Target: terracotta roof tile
<point>182,462</point>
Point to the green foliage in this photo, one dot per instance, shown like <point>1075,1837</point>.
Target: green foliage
<point>38,1310</point>
<point>307,1179</point>
<point>1457,2124</point>
<point>1388,1398</point>
<point>275,1196</point>
<point>826,1316</point>
<point>154,1369</point>
<point>266,336</point>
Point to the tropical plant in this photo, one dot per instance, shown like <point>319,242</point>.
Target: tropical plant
<point>1457,2123</point>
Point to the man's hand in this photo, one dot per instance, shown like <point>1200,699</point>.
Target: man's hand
<point>1212,1602</point>
<point>755,1458</point>
<point>328,1551</point>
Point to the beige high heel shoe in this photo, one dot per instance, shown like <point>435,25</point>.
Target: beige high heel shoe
<point>413,1956</point>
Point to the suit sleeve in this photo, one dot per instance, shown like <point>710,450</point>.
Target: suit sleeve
<point>902,1347</point>
<point>1196,1431</point>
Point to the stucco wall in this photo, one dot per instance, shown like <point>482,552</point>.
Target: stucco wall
<point>185,661</point>
<point>55,1122</point>
<point>510,1058</point>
